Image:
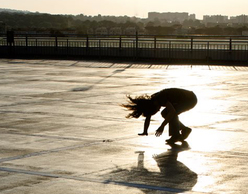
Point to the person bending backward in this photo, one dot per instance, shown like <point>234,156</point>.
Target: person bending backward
<point>174,100</point>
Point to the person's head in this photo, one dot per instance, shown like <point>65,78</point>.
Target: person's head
<point>140,105</point>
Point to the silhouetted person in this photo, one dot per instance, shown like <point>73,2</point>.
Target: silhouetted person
<point>174,100</point>
<point>10,38</point>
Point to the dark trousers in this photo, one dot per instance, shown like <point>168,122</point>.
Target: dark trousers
<point>174,125</point>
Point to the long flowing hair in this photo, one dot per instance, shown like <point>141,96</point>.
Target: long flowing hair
<point>139,105</point>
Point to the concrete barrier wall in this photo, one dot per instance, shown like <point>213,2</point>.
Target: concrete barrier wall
<point>128,53</point>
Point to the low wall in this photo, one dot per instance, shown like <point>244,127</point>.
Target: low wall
<point>165,54</point>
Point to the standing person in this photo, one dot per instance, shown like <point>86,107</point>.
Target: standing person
<point>175,101</point>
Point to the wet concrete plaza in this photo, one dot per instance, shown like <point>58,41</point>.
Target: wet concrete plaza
<point>63,130</point>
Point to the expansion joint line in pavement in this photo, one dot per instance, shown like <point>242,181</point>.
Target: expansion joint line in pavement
<point>49,151</point>
<point>62,148</point>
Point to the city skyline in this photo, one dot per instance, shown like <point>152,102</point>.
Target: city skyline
<point>129,7</point>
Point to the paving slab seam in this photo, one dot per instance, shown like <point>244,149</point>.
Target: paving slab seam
<point>127,165</point>
<point>66,115</point>
<point>73,138</point>
<point>121,66</point>
<point>88,63</point>
<point>53,137</point>
<point>116,140</point>
<point>63,149</point>
<point>49,151</point>
<point>99,141</point>
<point>233,154</point>
<point>235,68</point>
<point>58,150</point>
<point>149,66</point>
<point>102,140</point>
<point>94,180</point>
<point>21,103</point>
<point>74,64</point>
<point>61,100</point>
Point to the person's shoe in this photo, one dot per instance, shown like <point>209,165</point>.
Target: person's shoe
<point>173,140</point>
<point>185,132</point>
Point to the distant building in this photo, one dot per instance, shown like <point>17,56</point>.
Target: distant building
<point>215,19</point>
<point>101,31</point>
<point>115,31</point>
<point>241,19</point>
<point>171,16</point>
<point>192,17</point>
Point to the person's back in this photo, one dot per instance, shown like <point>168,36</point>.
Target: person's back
<point>173,95</point>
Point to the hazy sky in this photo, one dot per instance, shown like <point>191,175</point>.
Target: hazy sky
<point>138,8</point>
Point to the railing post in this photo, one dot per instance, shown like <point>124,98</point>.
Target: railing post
<point>155,46</point>
<point>230,44</point>
<point>67,47</point>
<point>191,48</point>
<point>87,45</point>
<point>137,40</point>
<point>87,42</point>
<point>137,44</point>
<point>56,42</point>
<point>192,44</point>
<point>120,45</point>
<point>169,50</point>
<point>208,57</point>
<point>230,49</point>
<point>99,45</point>
<point>26,38</point>
<point>120,42</point>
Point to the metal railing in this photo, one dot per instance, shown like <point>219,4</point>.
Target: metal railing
<point>190,48</point>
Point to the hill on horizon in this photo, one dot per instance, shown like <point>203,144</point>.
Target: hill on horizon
<point>13,10</point>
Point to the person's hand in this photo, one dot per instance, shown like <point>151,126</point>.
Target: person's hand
<point>159,131</point>
<point>142,134</point>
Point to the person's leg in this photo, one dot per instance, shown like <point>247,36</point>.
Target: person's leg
<point>174,127</point>
<point>185,131</point>
<point>183,107</point>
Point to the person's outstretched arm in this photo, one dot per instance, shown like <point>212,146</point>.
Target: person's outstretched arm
<point>146,126</point>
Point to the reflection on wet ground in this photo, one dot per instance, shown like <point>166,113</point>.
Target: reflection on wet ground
<point>173,175</point>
